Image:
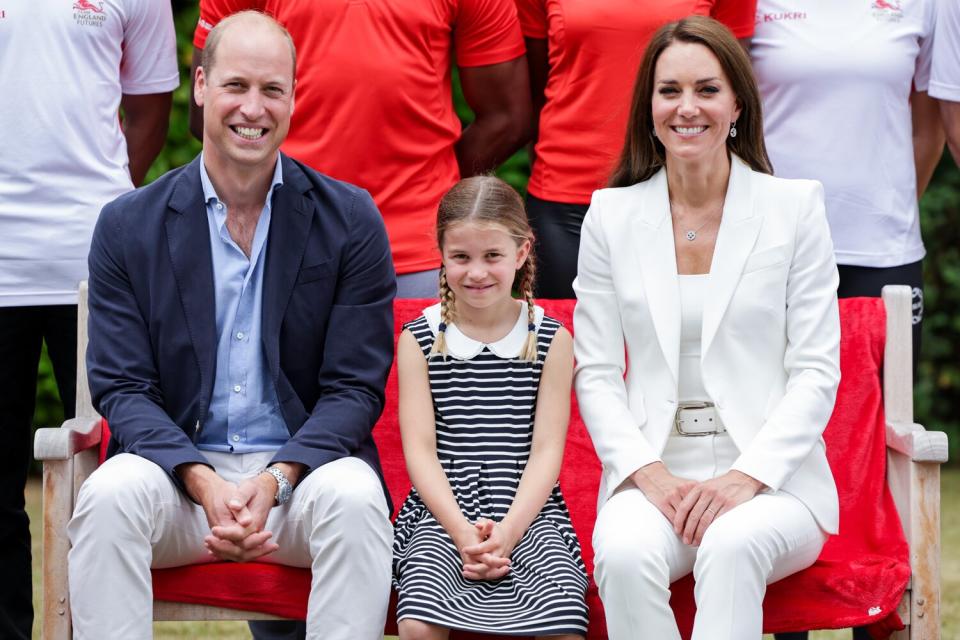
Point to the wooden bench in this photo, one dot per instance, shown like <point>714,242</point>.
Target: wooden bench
<point>71,453</point>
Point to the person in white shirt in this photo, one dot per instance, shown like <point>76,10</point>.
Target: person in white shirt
<point>945,72</point>
<point>844,98</point>
<point>66,70</point>
<point>844,88</point>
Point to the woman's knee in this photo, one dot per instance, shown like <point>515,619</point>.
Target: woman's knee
<point>623,554</point>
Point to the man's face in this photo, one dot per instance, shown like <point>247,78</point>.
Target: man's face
<point>247,98</point>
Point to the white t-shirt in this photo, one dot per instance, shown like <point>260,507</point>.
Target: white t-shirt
<point>945,72</point>
<point>64,65</point>
<point>835,77</point>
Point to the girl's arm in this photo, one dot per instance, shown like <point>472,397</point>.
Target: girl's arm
<point>418,433</point>
<point>546,453</point>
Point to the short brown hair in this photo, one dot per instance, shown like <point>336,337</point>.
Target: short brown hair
<point>487,200</point>
<point>209,53</point>
<point>643,154</point>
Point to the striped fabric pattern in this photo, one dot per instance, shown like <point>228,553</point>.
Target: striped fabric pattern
<point>484,409</point>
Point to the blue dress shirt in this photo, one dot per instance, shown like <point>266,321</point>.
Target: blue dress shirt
<point>244,413</point>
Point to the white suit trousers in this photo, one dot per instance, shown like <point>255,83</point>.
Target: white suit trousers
<point>638,555</point>
<point>131,517</point>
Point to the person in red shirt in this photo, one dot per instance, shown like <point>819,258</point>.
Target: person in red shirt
<point>375,105</point>
<point>375,108</point>
<point>583,59</point>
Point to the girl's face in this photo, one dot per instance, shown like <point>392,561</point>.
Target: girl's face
<point>481,262</point>
<point>692,104</point>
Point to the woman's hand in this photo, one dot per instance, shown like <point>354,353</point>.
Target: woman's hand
<point>709,500</point>
<point>665,490</point>
<point>489,557</point>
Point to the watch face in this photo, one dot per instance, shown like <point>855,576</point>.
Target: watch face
<point>284,492</point>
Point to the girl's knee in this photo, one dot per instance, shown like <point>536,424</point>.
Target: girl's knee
<point>411,629</point>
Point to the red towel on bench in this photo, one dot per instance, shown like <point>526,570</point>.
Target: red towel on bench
<point>858,579</point>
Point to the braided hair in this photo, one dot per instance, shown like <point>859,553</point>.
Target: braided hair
<point>486,200</point>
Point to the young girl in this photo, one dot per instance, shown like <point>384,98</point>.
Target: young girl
<point>484,542</point>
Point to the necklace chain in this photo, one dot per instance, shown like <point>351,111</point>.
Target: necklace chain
<point>691,234</point>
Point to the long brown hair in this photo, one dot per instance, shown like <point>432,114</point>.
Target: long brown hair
<point>643,154</point>
<point>487,200</point>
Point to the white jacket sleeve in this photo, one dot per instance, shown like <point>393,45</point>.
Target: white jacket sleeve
<point>812,356</point>
<point>600,352</point>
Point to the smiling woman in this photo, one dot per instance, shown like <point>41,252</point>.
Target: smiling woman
<point>711,444</point>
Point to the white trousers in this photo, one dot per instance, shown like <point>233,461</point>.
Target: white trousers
<point>637,554</point>
<point>130,517</point>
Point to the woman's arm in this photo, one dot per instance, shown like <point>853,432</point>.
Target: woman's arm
<point>812,356</point>
<point>419,436</point>
<point>599,349</point>
<point>928,137</point>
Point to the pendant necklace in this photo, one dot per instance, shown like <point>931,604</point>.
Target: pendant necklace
<point>691,234</point>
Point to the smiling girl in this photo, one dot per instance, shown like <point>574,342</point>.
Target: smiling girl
<point>484,542</point>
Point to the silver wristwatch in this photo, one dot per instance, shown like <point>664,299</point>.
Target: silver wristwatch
<point>284,488</point>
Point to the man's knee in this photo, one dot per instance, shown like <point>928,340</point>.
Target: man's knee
<point>125,485</point>
<point>346,489</point>
<point>122,484</point>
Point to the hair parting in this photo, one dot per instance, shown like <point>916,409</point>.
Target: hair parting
<point>487,200</point>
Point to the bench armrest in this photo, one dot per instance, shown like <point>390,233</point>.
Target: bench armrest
<point>74,436</point>
<point>915,442</point>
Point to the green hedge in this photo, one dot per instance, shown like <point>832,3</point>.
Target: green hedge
<point>938,385</point>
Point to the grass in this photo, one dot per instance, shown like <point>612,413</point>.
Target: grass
<point>949,571</point>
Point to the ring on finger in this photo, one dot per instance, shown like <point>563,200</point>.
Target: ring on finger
<point>713,512</point>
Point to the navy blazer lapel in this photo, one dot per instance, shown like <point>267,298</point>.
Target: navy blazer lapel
<point>188,239</point>
<point>289,229</point>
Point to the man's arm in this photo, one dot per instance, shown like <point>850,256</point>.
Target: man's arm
<point>499,95</point>
<point>145,121</point>
<point>196,111</point>
<point>950,115</point>
<point>928,137</point>
<point>123,376</point>
<point>358,347</point>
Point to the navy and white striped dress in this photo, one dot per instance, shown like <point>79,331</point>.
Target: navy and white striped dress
<point>484,398</point>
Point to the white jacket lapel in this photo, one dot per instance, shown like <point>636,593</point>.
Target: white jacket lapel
<point>657,259</point>
<point>738,232</point>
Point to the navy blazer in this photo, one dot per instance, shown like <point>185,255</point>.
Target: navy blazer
<point>327,319</point>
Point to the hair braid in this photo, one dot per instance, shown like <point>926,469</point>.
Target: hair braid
<point>447,311</point>
<point>528,272</point>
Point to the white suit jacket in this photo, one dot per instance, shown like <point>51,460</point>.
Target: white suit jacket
<point>770,341</point>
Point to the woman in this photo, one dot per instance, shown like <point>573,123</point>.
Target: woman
<point>719,282</point>
<point>583,57</point>
<point>844,96</point>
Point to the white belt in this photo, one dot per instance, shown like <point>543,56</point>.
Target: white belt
<point>698,419</point>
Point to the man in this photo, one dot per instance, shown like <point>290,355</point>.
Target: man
<point>240,337</point>
<point>376,105</point>
<point>65,69</point>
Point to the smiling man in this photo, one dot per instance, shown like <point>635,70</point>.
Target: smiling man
<point>240,339</point>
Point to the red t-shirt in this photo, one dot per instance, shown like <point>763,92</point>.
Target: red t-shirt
<point>373,101</point>
<point>595,48</point>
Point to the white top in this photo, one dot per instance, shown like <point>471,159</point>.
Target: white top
<point>693,290</point>
<point>835,77</point>
<point>945,72</point>
<point>63,68</point>
<point>463,347</point>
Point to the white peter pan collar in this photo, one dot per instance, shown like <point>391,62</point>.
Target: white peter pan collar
<point>461,346</point>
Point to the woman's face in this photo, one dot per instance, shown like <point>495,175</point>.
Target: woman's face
<point>693,104</point>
